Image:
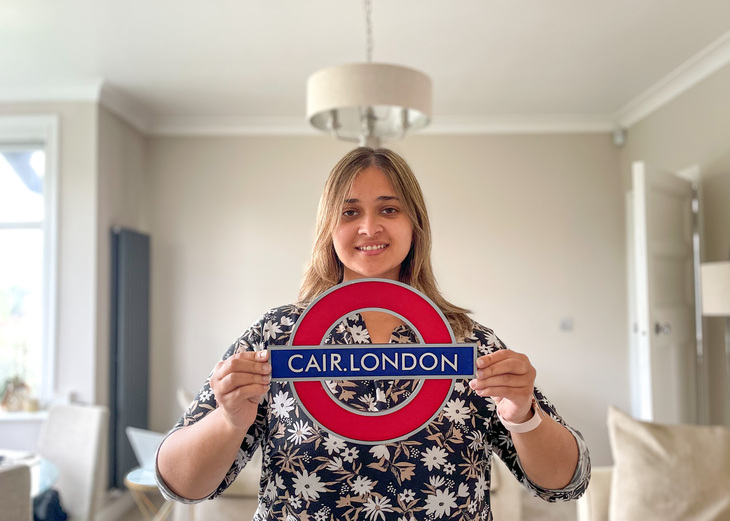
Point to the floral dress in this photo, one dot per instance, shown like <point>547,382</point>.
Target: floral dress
<point>439,472</point>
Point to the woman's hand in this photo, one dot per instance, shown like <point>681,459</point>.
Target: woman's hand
<point>238,384</point>
<point>509,379</point>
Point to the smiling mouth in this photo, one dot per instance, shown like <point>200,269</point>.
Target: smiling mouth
<point>373,247</point>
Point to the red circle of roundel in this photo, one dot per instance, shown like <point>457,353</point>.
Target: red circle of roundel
<point>389,296</point>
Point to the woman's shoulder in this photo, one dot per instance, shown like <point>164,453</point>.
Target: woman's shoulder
<point>288,311</point>
<point>273,327</point>
<point>483,336</point>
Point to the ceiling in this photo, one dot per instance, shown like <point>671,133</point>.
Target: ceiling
<point>188,66</point>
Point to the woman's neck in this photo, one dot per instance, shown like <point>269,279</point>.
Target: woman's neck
<point>380,325</point>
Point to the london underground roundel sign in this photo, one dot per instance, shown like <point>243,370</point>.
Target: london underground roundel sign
<point>308,363</point>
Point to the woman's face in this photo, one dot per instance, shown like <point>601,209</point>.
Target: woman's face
<point>374,234</point>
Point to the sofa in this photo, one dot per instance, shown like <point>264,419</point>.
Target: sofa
<point>660,472</point>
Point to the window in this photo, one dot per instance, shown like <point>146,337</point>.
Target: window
<point>27,260</point>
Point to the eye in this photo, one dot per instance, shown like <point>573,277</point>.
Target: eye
<point>349,213</point>
<point>389,210</point>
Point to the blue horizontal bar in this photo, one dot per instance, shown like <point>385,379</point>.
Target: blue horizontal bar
<point>372,361</point>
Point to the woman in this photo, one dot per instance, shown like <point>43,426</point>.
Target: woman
<point>372,222</point>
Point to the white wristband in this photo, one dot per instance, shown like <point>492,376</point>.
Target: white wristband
<point>529,425</point>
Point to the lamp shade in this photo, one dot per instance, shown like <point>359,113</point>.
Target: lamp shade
<point>715,278</point>
<point>372,99</point>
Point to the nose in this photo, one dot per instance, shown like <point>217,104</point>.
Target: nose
<point>370,225</point>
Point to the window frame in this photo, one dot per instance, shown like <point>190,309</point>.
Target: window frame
<point>43,130</point>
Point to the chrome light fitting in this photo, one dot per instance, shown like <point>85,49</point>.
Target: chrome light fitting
<point>369,102</point>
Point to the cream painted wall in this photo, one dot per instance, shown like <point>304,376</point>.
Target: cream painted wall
<point>123,200</point>
<point>233,225</point>
<point>528,230</point>
<point>692,130</point>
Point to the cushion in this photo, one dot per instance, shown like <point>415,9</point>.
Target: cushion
<point>668,472</point>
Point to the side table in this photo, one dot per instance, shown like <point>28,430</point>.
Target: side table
<point>141,484</point>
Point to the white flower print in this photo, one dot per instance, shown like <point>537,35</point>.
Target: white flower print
<point>350,454</point>
<point>283,404</point>
<point>380,395</point>
<point>334,464</point>
<point>456,411</point>
<point>441,503</point>
<point>434,457</point>
<point>449,468</point>
<point>279,481</point>
<point>369,401</point>
<point>300,430</point>
<point>362,485</point>
<point>334,444</point>
<point>380,451</point>
<point>463,490</point>
<point>407,495</point>
<point>459,386</point>
<point>271,329</point>
<point>295,502</point>
<point>359,335</point>
<point>480,488</point>
<point>286,321</point>
<point>493,340</point>
<point>320,515</point>
<point>375,507</point>
<point>270,491</point>
<point>249,440</point>
<point>436,481</point>
<point>476,440</point>
<point>241,458</point>
<point>205,395</point>
<point>308,485</point>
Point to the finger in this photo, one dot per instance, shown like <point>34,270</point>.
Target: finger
<point>496,356</point>
<point>260,356</point>
<point>246,362</point>
<point>236,379</point>
<point>506,380</point>
<point>252,392</point>
<point>509,366</point>
<point>500,356</point>
<point>510,382</point>
<point>498,393</point>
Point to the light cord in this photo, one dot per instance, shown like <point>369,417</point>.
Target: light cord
<point>368,6</point>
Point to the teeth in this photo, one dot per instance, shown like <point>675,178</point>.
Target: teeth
<point>371,248</point>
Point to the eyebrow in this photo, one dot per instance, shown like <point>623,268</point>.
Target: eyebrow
<point>379,199</point>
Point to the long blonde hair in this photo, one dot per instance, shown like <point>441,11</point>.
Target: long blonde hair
<point>325,268</point>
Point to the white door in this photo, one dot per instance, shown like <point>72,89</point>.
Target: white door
<point>663,296</point>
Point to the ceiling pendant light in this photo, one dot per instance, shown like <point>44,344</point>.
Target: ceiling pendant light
<point>369,102</point>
